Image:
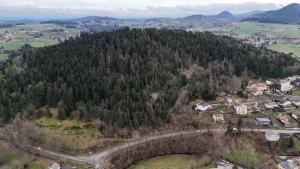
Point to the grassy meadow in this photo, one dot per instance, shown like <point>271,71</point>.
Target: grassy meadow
<point>173,162</point>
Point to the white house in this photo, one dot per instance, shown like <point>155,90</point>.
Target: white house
<point>272,136</point>
<point>218,117</point>
<point>296,102</point>
<point>296,115</point>
<point>271,105</point>
<point>289,164</point>
<point>257,92</point>
<point>270,82</point>
<point>54,166</point>
<point>203,106</point>
<point>240,108</point>
<point>284,103</point>
<point>285,85</point>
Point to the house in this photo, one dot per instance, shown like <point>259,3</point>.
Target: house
<point>55,165</point>
<point>289,164</point>
<point>260,86</point>
<point>263,121</point>
<point>283,118</point>
<point>296,101</point>
<point>218,117</point>
<point>272,136</point>
<point>224,95</point>
<point>285,85</point>
<point>256,92</point>
<point>270,82</point>
<point>271,105</point>
<point>284,103</point>
<point>240,108</point>
<point>296,115</point>
<point>203,106</point>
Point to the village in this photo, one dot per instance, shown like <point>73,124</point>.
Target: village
<point>269,104</point>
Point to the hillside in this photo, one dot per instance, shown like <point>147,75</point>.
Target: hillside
<point>286,15</point>
<point>110,76</point>
<point>223,15</point>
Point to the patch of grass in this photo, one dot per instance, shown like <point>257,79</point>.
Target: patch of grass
<point>12,157</point>
<point>296,93</point>
<point>40,164</point>
<point>165,162</point>
<point>74,133</point>
<point>3,55</point>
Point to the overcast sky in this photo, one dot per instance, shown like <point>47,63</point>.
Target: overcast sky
<point>131,8</point>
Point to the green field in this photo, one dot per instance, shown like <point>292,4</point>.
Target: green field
<point>296,93</point>
<point>3,55</point>
<point>74,134</point>
<point>284,33</point>
<point>165,162</point>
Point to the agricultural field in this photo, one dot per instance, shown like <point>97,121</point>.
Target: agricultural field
<point>37,35</point>
<point>288,36</point>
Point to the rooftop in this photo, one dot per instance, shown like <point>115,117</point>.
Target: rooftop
<point>219,115</point>
<point>271,103</point>
<point>271,133</point>
<point>282,117</point>
<point>263,119</point>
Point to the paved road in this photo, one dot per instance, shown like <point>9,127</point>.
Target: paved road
<point>97,159</point>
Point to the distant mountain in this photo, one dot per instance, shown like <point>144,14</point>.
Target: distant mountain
<point>195,17</point>
<point>22,21</point>
<point>286,15</point>
<point>87,18</point>
<point>223,15</point>
<point>248,14</point>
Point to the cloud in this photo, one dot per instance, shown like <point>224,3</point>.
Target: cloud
<point>165,10</point>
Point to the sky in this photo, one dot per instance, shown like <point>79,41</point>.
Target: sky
<point>130,8</point>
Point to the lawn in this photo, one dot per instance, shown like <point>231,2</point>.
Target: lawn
<point>13,158</point>
<point>296,93</point>
<point>173,162</point>
<point>246,157</point>
<point>3,55</point>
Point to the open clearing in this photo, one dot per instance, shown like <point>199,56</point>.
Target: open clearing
<point>73,134</point>
<point>165,162</point>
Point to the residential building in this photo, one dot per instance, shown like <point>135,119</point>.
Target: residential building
<point>263,121</point>
<point>296,101</point>
<point>271,105</point>
<point>296,115</point>
<point>257,92</point>
<point>285,85</point>
<point>272,136</point>
<point>284,103</point>
<point>289,164</point>
<point>218,117</point>
<point>260,86</point>
<point>283,118</point>
<point>203,106</point>
<point>54,166</point>
<point>270,82</point>
<point>240,108</point>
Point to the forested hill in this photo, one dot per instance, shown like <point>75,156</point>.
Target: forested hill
<point>289,14</point>
<point>111,75</point>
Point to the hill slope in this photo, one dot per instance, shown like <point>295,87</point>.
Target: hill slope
<point>111,75</point>
<point>223,15</point>
<point>286,15</point>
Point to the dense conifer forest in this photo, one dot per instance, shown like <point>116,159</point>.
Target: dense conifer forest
<point>111,75</point>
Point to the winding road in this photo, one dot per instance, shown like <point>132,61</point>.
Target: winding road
<point>97,159</point>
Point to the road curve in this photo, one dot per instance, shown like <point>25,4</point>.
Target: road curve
<point>97,159</point>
